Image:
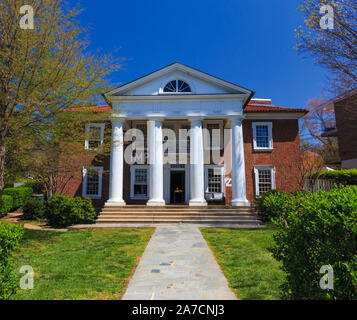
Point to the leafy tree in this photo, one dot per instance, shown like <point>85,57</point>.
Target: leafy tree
<point>44,71</point>
<point>335,49</point>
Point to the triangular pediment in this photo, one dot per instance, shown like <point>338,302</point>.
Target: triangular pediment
<point>200,82</point>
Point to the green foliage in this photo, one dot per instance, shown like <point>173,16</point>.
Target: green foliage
<point>345,176</point>
<point>10,235</point>
<point>34,209</point>
<point>6,205</point>
<point>270,204</point>
<point>316,230</point>
<point>19,195</point>
<point>36,185</point>
<point>64,211</point>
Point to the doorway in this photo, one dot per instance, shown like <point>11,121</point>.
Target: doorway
<point>177,187</point>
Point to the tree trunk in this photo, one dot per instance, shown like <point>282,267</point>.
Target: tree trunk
<point>2,165</point>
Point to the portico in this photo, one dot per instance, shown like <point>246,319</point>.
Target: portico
<point>171,96</point>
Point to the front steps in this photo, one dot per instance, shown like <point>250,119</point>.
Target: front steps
<point>179,214</point>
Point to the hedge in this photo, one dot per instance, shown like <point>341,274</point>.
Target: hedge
<point>10,236</point>
<point>7,204</point>
<point>19,195</point>
<point>315,230</point>
<point>63,211</point>
<point>34,209</point>
<point>345,176</point>
<point>36,185</point>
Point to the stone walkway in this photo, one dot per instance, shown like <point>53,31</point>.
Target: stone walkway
<point>178,265</point>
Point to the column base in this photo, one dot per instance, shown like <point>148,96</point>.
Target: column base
<point>156,203</point>
<point>115,203</point>
<point>197,203</point>
<point>240,203</point>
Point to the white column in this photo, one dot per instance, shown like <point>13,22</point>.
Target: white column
<point>197,177</point>
<point>239,196</point>
<point>116,165</point>
<point>156,160</point>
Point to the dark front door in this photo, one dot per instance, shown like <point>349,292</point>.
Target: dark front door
<point>177,187</point>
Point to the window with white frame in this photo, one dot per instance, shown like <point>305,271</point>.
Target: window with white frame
<point>263,136</point>
<point>94,136</point>
<point>215,130</point>
<point>214,178</point>
<point>92,182</point>
<point>139,182</point>
<point>264,179</point>
<point>177,86</point>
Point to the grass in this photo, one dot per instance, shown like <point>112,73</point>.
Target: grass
<point>249,267</point>
<point>80,265</point>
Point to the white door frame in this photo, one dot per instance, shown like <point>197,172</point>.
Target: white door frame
<point>167,182</point>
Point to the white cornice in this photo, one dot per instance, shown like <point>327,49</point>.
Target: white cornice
<point>273,116</point>
<point>175,98</point>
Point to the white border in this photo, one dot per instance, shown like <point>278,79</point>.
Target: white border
<point>272,173</point>
<point>100,182</point>
<point>132,181</point>
<point>270,133</point>
<point>87,131</point>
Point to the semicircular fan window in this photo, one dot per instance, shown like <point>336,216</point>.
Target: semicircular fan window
<point>177,86</point>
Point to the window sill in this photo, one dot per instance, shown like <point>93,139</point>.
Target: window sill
<point>263,149</point>
<point>92,197</point>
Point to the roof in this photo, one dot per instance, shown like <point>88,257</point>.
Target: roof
<point>264,105</point>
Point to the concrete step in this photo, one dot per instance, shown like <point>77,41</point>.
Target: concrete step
<point>178,217</point>
<point>253,222</point>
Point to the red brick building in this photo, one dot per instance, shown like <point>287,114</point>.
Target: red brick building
<point>345,109</point>
<point>181,136</point>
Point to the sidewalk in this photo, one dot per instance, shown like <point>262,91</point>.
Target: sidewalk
<point>178,265</point>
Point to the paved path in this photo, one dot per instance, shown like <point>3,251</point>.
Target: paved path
<point>178,265</point>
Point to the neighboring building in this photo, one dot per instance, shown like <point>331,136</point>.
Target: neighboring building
<point>345,108</point>
<point>260,140</point>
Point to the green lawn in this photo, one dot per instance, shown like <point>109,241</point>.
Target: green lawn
<point>86,264</point>
<point>249,267</point>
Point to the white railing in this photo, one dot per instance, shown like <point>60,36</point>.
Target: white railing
<point>315,185</point>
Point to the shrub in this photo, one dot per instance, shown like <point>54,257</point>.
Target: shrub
<point>316,230</point>
<point>19,195</point>
<point>6,205</point>
<point>36,185</point>
<point>10,235</point>
<point>64,211</point>
<point>270,204</point>
<point>345,176</point>
<point>34,209</point>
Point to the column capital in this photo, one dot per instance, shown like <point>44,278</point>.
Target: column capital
<point>237,118</point>
<point>117,118</point>
<point>155,118</point>
<point>195,118</point>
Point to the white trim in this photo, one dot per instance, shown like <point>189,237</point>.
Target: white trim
<point>275,116</point>
<point>256,175</point>
<point>100,182</point>
<point>132,181</point>
<point>167,182</point>
<point>87,132</point>
<point>270,136</point>
<point>180,67</point>
<point>214,166</point>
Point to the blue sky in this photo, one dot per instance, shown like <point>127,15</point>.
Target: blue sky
<point>250,43</point>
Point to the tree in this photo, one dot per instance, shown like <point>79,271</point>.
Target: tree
<point>336,48</point>
<point>56,155</point>
<point>44,70</point>
<point>320,119</point>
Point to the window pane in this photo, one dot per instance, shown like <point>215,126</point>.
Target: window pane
<point>215,180</point>
<point>183,86</point>
<point>92,182</point>
<point>170,87</point>
<point>264,181</point>
<point>140,189</point>
<point>262,136</point>
<point>141,176</point>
